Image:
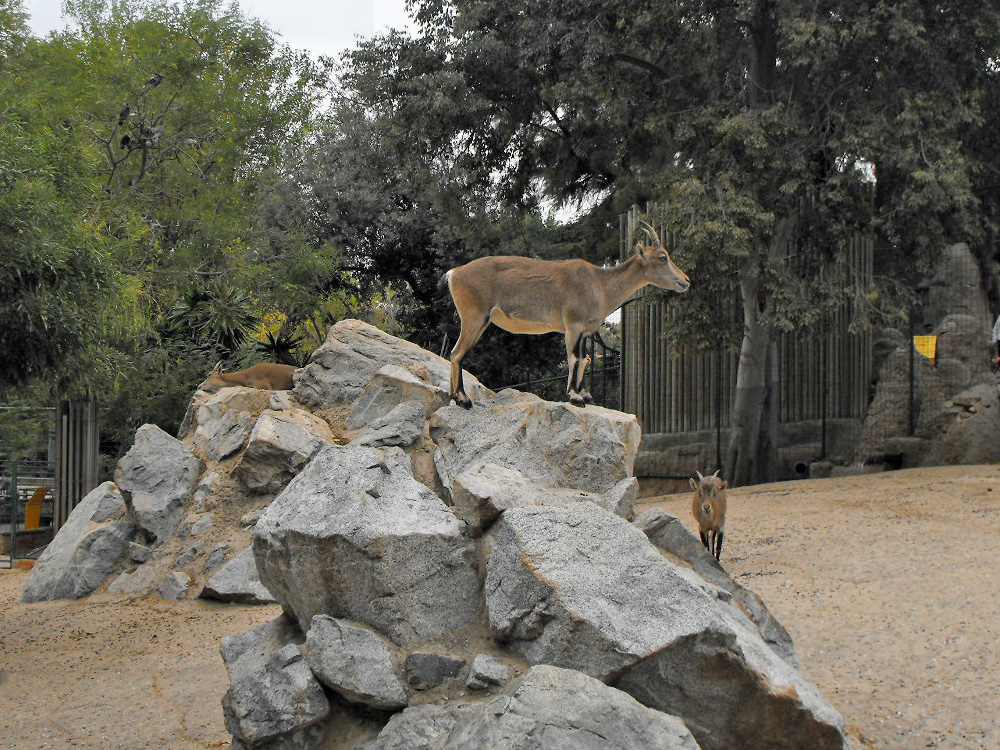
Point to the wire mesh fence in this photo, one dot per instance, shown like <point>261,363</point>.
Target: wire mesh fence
<point>824,371</point>
<point>602,378</point>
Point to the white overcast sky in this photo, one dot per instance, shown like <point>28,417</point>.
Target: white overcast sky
<point>321,28</point>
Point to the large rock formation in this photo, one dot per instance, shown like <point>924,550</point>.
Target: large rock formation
<point>449,578</point>
<point>546,709</point>
<point>374,544</point>
<point>90,544</point>
<point>930,412</point>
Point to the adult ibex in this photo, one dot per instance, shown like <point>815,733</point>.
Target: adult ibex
<point>525,295</point>
<point>264,375</point>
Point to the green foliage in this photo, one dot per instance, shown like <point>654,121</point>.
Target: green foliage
<point>147,144</point>
<point>156,389</point>
<point>216,315</point>
<point>402,211</point>
<point>281,347</point>
<point>56,279</point>
<point>24,433</point>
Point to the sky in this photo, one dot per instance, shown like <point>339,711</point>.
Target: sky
<point>321,28</point>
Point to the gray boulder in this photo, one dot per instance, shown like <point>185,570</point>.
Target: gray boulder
<point>483,491</point>
<point>670,535</point>
<point>220,422</point>
<point>203,525</point>
<point>582,589</point>
<point>556,445</point>
<point>401,426</point>
<point>86,549</point>
<point>956,287</point>
<point>139,553</point>
<point>207,487</point>
<point>972,423</point>
<point>140,581</point>
<point>428,670</point>
<point>355,662</point>
<point>355,536</point>
<point>273,700</point>
<point>238,581</point>
<point>546,709</point>
<point>280,444</point>
<point>351,355</point>
<point>225,434</point>
<point>393,385</point>
<point>218,556</point>
<point>486,671</point>
<point>156,477</point>
<point>174,585</point>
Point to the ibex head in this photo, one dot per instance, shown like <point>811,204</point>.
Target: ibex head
<point>660,269</point>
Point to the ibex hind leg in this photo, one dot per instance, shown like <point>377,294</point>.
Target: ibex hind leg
<point>458,394</point>
<point>575,357</point>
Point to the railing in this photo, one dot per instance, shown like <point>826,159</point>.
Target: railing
<point>602,379</point>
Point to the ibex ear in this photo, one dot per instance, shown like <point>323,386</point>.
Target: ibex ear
<point>725,484</point>
<point>694,484</point>
<point>640,249</point>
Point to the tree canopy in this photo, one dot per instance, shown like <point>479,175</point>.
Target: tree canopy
<point>173,191</point>
<point>765,132</point>
<point>147,233</point>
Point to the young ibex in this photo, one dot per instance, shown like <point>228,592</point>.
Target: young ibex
<point>264,375</point>
<point>525,295</point>
<point>709,508</point>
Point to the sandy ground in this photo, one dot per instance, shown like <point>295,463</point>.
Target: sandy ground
<point>888,584</point>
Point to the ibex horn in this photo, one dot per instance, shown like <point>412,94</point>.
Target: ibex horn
<point>700,477</point>
<point>648,229</point>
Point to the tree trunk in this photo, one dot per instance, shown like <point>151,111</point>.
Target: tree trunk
<point>752,454</point>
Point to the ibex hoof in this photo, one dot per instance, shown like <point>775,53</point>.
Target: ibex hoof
<point>462,400</point>
<point>588,399</point>
<point>577,401</point>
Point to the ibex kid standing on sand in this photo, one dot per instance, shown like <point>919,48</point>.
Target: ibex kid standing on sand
<point>526,295</point>
<point>264,375</point>
<point>709,508</point>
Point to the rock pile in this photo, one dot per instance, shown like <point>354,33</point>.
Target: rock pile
<point>448,578</point>
<point>950,413</point>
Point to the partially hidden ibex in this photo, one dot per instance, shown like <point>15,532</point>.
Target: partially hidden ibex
<point>264,375</point>
<point>709,509</point>
<point>527,295</point>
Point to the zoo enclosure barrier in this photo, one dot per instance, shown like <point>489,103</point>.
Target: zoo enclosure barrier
<point>47,476</point>
<point>824,372</point>
<point>602,377</point>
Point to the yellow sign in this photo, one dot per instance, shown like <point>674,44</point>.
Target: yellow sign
<point>927,346</point>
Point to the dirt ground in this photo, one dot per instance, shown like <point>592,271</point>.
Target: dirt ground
<point>888,584</point>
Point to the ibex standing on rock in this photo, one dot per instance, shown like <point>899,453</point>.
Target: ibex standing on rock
<point>709,509</point>
<point>526,295</point>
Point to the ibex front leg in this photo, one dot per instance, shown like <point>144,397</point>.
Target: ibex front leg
<point>471,333</point>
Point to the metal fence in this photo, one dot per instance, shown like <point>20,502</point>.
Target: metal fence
<point>602,379</point>
<point>77,439</point>
<point>824,372</point>
<point>45,478</point>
